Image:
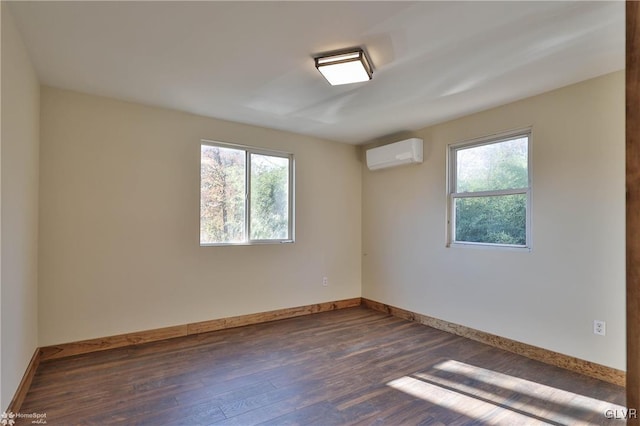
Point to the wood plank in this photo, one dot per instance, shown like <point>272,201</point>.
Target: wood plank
<point>633,205</point>
<point>242,320</point>
<point>111,342</point>
<point>136,338</point>
<point>345,366</point>
<point>581,366</point>
<point>25,383</point>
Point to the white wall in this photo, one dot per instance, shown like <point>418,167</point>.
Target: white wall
<point>575,273</point>
<point>19,209</point>
<point>119,229</point>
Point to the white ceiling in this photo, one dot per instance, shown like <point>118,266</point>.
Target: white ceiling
<point>251,62</point>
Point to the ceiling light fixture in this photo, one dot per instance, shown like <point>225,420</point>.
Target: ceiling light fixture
<point>346,67</point>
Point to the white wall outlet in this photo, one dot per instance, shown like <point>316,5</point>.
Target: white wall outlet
<point>599,327</point>
<point>325,281</point>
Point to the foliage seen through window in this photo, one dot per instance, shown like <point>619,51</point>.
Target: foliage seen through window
<point>240,207</point>
<point>490,192</point>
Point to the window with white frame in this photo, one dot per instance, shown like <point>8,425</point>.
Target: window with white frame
<point>246,195</point>
<point>490,191</point>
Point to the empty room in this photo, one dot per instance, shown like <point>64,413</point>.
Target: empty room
<point>329,213</point>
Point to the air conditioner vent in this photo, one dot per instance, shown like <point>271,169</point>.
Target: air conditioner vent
<point>408,151</point>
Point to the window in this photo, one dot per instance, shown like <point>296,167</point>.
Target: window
<point>246,195</point>
<point>490,191</point>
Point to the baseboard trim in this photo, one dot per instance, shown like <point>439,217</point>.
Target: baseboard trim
<point>25,383</point>
<point>111,342</point>
<point>242,320</point>
<point>567,362</point>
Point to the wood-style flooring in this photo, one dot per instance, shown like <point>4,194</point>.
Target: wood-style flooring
<point>351,366</point>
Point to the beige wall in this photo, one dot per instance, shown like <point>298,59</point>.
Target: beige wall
<point>575,273</point>
<point>19,210</point>
<point>119,229</point>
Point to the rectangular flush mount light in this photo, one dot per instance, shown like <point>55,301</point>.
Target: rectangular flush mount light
<point>345,67</point>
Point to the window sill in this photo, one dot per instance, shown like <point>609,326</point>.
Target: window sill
<point>248,243</point>
<point>488,246</point>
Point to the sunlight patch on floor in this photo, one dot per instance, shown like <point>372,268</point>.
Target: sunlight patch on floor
<point>498,398</point>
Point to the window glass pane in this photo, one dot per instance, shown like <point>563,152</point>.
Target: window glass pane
<point>269,197</point>
<point>222,194</point>
<point>496,219</point>
<point>501,165</point>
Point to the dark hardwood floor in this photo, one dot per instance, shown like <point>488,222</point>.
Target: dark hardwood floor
<point>351,366</point>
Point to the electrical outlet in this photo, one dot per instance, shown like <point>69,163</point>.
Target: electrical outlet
<point>599,327</point>
<point>325,281</point>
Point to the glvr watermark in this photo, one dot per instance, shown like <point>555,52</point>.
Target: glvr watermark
<point>621,413</point>
<point>9,418</point>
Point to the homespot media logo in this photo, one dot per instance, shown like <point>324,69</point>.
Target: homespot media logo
<point>9,418</point>
<point>624,413</point>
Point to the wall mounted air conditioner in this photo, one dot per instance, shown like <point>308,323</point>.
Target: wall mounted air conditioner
<point>396,154</point>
